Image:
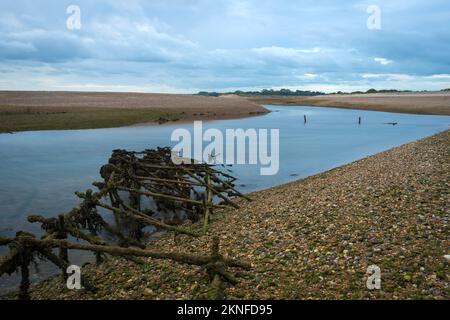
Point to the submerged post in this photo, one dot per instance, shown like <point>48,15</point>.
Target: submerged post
<point>359,121</point>
<point>304,118</point>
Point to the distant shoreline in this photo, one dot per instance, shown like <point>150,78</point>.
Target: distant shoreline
<point>414,103</point>
<point>62,110</point>
<point>42,110</point>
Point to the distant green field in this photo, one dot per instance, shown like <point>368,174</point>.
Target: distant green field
<point>28,119</point>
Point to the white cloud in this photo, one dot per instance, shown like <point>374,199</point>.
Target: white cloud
<point>439,76</point>
<point>307,76</point>
<point>373,75</point>
<point>389,76</point>
<point>383,61</point>
<point>310,75</point>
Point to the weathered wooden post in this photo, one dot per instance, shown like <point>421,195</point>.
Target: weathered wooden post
<point>135,197</point>
<point>62,235</point>
<point>305,119</point>
<point>24,282</point>
<point>208,202</point>
<point>216,291</point>
<point>359,121</point>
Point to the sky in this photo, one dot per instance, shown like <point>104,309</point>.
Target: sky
<point>186,46</point>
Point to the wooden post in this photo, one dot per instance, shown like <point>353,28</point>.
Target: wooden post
<point>208,202</point>
<point>135,228</point>
<point>359,121</point>
<point>62,235</point>
<point>113,196</point>
<point>24,283</point>
<point>216,290</point>
<point>135,197</point>
<point>304,118</point>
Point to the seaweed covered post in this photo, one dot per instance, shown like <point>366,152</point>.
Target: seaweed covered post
<point>208,202</point>
<point>216,291</point>
<point>62,235</point>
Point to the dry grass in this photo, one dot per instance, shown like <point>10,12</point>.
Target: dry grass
<point>417,103</point>
<point>22,111</point>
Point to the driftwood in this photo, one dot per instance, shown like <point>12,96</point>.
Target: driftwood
<point>136,187</point>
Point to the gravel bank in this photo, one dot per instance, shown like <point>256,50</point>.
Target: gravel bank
<point>315,238</point>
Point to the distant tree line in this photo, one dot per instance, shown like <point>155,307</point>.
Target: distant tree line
<point>376,91</point>
<point>281,92</point>
<point>297,93</point>
<point>266,92</point>
<point>209,94</point>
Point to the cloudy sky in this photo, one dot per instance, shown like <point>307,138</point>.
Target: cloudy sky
<point>191,45</point>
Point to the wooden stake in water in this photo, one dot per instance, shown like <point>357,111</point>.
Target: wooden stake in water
<point>304,117</point>
<point>359,121</point>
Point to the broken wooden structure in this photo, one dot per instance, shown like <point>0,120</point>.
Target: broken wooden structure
<point>139,190</point>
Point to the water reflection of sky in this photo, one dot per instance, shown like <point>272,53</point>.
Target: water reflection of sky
<point>41,170</point>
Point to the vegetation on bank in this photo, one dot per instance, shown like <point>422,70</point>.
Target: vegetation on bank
<point>15,118</point>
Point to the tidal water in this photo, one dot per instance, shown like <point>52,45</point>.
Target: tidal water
<point>40,171</point>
